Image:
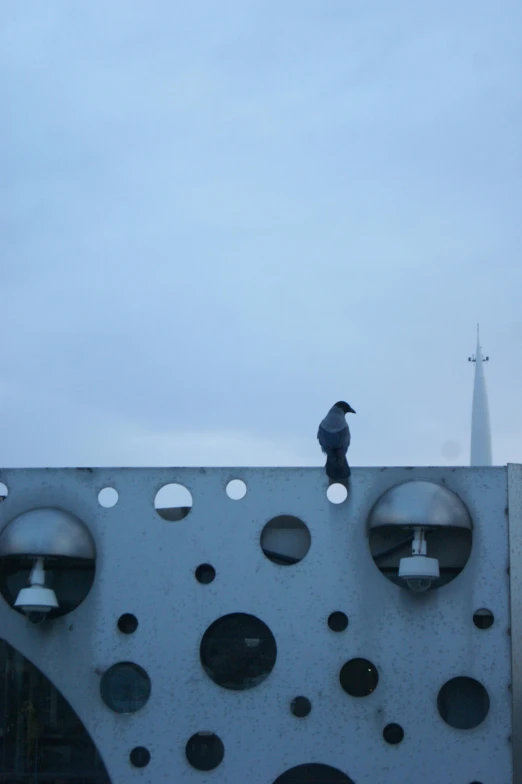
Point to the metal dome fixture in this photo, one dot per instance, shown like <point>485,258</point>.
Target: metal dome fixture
<point>419,503</point>
<point>37,600</point>
<point>60,541</point>
<point>418,507</point>
<point>47,532</point>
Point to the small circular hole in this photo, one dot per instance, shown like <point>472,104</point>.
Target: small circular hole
<point>127,623</point>
<point>3,491</point>
<point>140,757</point>
<point>300,707</point>
<point>205,751</point>
<point>393,734</point>
<point>205,574</point>
<point>483,619</point>
<point>108,497</point>
<point>236,489</point>
<point>337,493</point>
<point>338,621</point>
<point>173,502</point>
<point>359,677</point>
<point>285,540</point>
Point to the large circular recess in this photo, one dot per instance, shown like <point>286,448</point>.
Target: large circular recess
<point>238,651</point>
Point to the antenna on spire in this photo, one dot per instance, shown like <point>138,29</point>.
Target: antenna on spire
<point>479,354</point>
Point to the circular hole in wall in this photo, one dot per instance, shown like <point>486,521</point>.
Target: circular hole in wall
<point>313,773</point>
<point>483,619</point>
<point>238,651</point>
<point>406,509</point>
<point>125,687</point>
<point>337,493</point>
<point>359,677</point>
<point>236,489</point>
<point>140,757</point>
<point>127,623</point>
<point>463,703</point>
<point>300,707</point>
<point>205,574</point>
<point>205,751</point>
<point>393,734</point>
<point>338,621</point>
<point>3,491</point>
<point>108,497</point>
<point>173,502</point>
<point>285,540</point>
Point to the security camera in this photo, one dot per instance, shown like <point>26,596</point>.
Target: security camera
<point>418,571</point>
<point>36,600</point>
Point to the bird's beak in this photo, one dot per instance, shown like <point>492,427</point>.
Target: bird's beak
<point>352,410</point>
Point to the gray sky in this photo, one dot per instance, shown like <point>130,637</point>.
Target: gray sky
<point>220,218</point>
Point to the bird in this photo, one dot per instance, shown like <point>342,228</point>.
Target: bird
<point>334,438</point>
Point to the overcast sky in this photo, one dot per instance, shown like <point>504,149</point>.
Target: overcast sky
<point>217,219</point>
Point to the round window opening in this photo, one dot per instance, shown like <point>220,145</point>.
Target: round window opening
<point>285,540</point>
<point>238,651</point>
<point>173,502</point>
<point>313,773</point>
<point>125,687</point>
<point>205,751</point>
<point>463,703</point>
<point>359,677</point>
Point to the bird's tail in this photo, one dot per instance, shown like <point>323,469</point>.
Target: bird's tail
<point>337,466</point>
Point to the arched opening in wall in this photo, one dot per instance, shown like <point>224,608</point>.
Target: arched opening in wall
<point>43,739</point>
<point>313,773</point>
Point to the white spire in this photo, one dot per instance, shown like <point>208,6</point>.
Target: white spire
<point>480,454</point>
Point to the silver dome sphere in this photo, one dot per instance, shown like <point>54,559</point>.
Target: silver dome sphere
<point>47,532</point>
<point>419,503</point>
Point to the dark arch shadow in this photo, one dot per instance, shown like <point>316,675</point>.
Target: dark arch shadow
<point>41,737</point>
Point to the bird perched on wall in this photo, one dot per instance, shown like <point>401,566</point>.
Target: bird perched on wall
<point>334,438</point>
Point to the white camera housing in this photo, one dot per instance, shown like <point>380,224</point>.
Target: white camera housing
<point>36,600</point>
<point>419,571</point>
